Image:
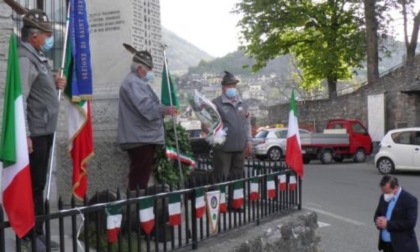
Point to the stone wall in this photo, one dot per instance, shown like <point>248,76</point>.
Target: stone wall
<point>402,108</point>
<point>295,232</point>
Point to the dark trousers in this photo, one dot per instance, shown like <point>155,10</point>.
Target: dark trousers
<point>387,247</point>
<point>39,161</point>
<point>228,165</point>
<point>141,166</point>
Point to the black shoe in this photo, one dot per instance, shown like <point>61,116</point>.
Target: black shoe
<point>53,245</point>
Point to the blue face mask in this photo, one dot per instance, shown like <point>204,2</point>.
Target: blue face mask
<point>149,76</point>
<point>49,43</point>
<point>231,93</point>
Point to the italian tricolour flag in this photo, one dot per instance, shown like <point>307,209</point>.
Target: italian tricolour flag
<point>294,151</point>
<point>238,195</point>
<point>174,209</point>
<point>223,206</point>
<point>113,222</point>
<point>282,182</point>
<point>16,186</point>
<point>184,158</point>
<point>200,204</point>
<point>271,187</point>
<point>78,72</point>
<point>254,194</point>
<point>147,216</point>
<point>292,183</point>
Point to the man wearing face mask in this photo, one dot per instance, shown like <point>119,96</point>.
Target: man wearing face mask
<point>396,217</point>
<point>140,120</point>
<point>228,159</point>
<point>39,89</point>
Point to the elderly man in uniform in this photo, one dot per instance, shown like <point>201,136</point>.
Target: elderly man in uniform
<point>228,159</point>
<point>140,120</point>
<point>39,88</point>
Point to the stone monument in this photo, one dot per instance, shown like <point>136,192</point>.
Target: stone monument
<point>111,23</point>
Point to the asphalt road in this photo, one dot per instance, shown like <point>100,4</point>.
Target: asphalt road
<point>345,196</point>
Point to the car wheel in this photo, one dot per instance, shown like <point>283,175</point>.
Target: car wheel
<point>326,157</point>
<point>385,166</point>
<point>359,156</point>
<point>338,159</point>
<point>274,154</point>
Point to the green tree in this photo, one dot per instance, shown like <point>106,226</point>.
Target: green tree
<point>326,37</point>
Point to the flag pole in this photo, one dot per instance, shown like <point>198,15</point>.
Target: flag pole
<point>181,179</point>
<point>63,62</point>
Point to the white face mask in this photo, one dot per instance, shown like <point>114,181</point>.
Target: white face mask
<point>388,197</point>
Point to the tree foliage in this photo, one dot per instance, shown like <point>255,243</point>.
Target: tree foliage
<point>326,37</point>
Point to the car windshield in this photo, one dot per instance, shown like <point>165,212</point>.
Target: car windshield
<point>261,134</point>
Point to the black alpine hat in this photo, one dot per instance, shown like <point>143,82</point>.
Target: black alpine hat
<point>143,57</point>
<point>229,79</point>
<point>37,19</point>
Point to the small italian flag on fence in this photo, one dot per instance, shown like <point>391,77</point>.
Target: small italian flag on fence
<point>147,216</point>
<point>113,222</point>
<point>282,182</point>
<point>254,192</point>
<point>200,204</point>
<point>292,183</point>
<point>223,206</point>
<point>238,195</point>
<point>271,187</point>
<point>174,209</point>
<point>184,158</point>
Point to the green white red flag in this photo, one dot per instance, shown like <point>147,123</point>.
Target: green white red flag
<point>292,183</point>
<point>113,222</point>
<point>254,190</point>
<point>282,182</point>
<point>174,209</point>
<point>200,204</point>
<point>294,157</point>
<point>223,205</point>
<point>184,158</point>
<point>238,195</point>
<point>78,72</point>
<point>147,216</point>
<point>168,92</point>
<point>17,186</point>
<point>271,187</point>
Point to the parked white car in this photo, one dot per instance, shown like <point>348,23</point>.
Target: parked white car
<point>271,143</point>
<point>399,150</point>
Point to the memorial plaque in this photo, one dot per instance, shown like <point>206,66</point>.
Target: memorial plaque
<point>112,23</point>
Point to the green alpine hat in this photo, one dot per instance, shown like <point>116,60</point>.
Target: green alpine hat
<point>37,19</point>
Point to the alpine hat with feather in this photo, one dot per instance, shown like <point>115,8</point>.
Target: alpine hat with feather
<point>142,57</point>
<point>228,78</point>
<point>37,19</point>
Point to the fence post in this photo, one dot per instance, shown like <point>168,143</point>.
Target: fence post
<point>47,224</point>
<point>2,227</point>
<point>300,194</point>
<point>194,220</point>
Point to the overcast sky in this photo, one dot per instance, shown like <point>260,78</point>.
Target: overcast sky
<point>206,24</point>
<point>209,25</point>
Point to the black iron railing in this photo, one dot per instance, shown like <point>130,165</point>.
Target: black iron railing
<point>85,225</point>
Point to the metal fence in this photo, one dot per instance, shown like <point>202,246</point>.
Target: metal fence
<point>84,226</point>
